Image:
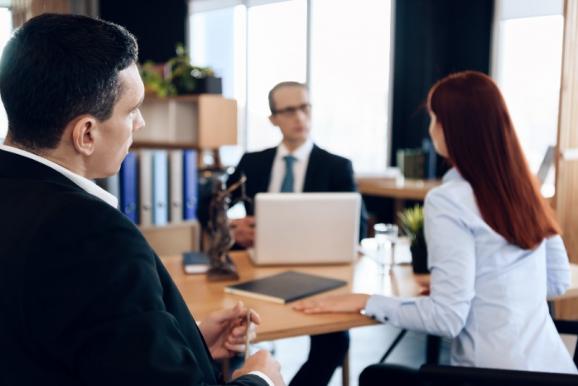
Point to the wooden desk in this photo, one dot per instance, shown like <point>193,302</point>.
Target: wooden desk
<point>280,321</point>
<point>406,189</point>
<point>399,191</point>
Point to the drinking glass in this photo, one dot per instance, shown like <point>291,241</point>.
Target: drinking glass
<point>384,234</point>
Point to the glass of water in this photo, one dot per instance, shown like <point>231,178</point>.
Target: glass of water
<point>386,234</point>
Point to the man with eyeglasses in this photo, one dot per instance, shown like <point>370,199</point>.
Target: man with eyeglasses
<point>297,165</point>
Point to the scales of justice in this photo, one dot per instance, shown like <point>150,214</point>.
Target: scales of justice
<point>219,237</point>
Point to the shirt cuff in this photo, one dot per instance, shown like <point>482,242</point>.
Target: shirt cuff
<point>262,376</point>
<point>381,308</point>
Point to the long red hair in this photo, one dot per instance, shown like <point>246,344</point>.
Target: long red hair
<point>483,146</point>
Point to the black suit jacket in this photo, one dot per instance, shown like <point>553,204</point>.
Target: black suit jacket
<point>325,172</point>
<point>84,300</point>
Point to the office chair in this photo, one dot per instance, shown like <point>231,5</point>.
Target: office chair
<point>432,374</point>
<point>435,375</point>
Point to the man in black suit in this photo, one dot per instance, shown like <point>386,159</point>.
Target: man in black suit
<point>297,165</point>
<point>84,299</point>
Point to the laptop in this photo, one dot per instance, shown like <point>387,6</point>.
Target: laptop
<point>306,228</point>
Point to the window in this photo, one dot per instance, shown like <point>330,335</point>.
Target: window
<point>348,68</point>
<point>277,51</point>
<point>527,67</point>
<point>217,38</point>
<point>5,31</point>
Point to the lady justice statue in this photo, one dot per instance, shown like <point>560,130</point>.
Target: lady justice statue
<point>220,239</point>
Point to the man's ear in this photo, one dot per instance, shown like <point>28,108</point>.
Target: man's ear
<point>84,134</point>
<point>273,120</point>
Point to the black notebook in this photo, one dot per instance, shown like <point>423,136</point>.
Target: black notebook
<point>285,287</point>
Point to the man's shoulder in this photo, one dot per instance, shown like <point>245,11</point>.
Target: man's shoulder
<point>257,155</point>
<point>328,156</point>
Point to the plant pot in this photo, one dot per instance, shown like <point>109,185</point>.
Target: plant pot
<point>208,85</point>
<point>419,257</point>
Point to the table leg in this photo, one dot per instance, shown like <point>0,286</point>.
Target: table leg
<point>345,370</point>
<point>432,349</point>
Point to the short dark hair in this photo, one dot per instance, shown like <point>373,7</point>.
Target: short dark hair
<point>57,67</point>
<point>281,85</point>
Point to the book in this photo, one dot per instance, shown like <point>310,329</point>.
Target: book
<point>195,262</point>
<point>285,287</point>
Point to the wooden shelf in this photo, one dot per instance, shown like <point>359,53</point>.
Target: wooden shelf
<point>163,145</point>
<point>203,121</point>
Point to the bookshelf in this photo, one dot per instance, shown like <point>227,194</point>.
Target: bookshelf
<point>202,122</point>
<point>198,122</point>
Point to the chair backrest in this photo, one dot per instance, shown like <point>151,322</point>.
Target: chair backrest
<point>436,375</point>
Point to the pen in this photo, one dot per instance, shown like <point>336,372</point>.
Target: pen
<point>248,334</point>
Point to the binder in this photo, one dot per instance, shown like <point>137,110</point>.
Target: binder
<point>160,188</point>
<point>145,187</point>
<point>190,180</point>
<point>127,181</point>
<point>176,186</point>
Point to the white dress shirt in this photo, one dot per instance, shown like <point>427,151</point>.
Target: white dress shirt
<point>91,188</point>
<point>86,184</point>
<point>301,155</point>
<point>487,294</point>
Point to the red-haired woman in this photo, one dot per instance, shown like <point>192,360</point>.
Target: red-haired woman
<point>494,248</point>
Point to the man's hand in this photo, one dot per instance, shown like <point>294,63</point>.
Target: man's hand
<point>244,231</point>
<point>225,330</point>
<point>331,304</point>
<point>262,361</point>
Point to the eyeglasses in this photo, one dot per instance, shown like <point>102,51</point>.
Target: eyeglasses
<point>289,111</point>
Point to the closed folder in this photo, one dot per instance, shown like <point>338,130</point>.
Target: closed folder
<point>285,287</point>
<point>160,187</point>
<point>127,179</point>
<point>176,186</point>
<point>145,187</point>
<point>190,181</point>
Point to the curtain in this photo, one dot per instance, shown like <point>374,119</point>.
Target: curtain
<point>433,38</point>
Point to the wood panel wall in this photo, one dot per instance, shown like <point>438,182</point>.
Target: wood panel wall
<point>566,201</point>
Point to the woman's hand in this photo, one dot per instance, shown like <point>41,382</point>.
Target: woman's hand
<point>225,330</point>
<point>350,303</point>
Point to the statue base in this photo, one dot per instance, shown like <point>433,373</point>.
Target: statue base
<point>226,270</point>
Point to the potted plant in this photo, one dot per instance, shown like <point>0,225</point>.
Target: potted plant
<point>189,79</point>
<point>179,77</point>
<point>411,220</point>
<point>154,82</point>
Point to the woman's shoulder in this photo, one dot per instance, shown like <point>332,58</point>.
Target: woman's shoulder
<point>454,194</point>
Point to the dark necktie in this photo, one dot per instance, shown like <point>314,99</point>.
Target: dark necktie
<point>288,180</point>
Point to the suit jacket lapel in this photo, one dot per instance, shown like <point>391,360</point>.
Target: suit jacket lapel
<point>265,169</point>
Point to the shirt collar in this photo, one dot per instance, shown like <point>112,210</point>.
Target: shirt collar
<point>86,184</point>
<point>301,153</point>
